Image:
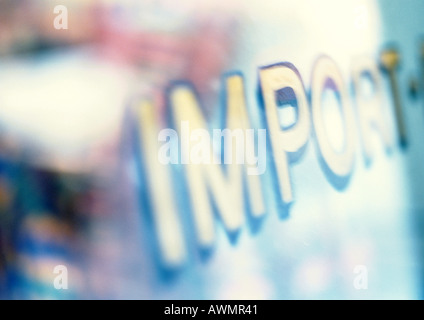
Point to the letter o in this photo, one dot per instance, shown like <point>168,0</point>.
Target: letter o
<point>339,164</point>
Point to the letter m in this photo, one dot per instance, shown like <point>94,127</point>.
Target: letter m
<point>207,181</point>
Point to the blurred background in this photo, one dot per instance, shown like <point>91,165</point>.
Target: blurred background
<point>70,193</point>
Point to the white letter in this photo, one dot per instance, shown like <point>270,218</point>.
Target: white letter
<point>326,75</point>
<point>61,21</point>
<point>204,180</point>
<point>165,216</point>
<point>273,79</point>
<point>256,164</point>
<point>60,281</point>
<point>201,151</point>
<point>361,17</point>
<point>361,280</point>
<point>168,152</point>
<point>370,107</point>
